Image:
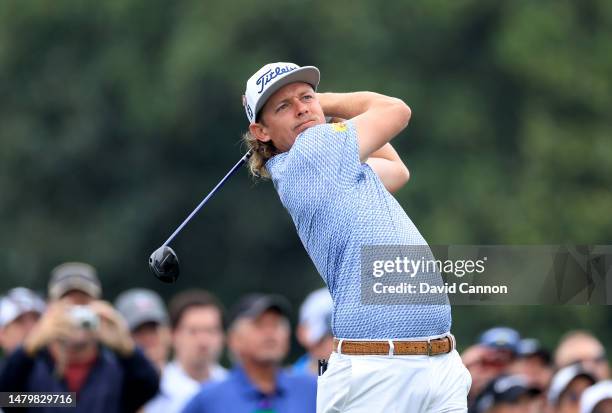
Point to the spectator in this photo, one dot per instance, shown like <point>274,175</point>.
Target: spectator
<point>491,357</point>
<point>597,398</point>
<point>483,367</point>
<point>566,388</point>
<point>147,319</point>
<point>259,340</point>
<point>507,394</point>
<point>81,345</point>
<point>503,340</point>
<point>534,362</point>
<point>196,318</point>
<point>582,347</point>
<point>314,331</point>
<point>20,309</point>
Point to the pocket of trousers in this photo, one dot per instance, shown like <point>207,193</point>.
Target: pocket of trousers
<point>467,376</point>
<point>334,385</point>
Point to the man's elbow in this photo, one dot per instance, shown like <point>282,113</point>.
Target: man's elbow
<point>404,175</point>
<point>407,175</point>
<point>401,177</point>
<point>403,112</point>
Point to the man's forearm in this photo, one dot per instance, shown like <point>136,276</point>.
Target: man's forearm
<point>389,167</point>
<point>387,152</point>
<point>349,105</point>
<point>377,118</point>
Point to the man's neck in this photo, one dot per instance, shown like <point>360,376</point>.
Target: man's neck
<point>262,375</point>
<point>60,354</point>
<point>200,372</point>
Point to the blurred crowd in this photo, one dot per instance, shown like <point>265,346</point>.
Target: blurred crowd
<point>138,354</point>
<point>511,374</point>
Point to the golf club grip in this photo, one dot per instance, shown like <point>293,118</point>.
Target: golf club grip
<point>210,194</point>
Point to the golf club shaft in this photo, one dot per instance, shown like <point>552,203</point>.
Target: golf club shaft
<point>210,194</point>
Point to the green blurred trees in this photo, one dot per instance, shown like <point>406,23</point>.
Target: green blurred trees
<point>117,116</point>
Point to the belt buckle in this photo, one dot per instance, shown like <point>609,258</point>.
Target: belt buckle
<point>429,349</point>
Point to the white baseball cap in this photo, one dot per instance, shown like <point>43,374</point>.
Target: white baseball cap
<point>595,394</point>
<point>316,312</point>
<point>17,302</point>
<point>562,379</point>
<point>272,77</point>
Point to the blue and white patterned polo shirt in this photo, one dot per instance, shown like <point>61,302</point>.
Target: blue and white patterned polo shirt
<point>338,205</point>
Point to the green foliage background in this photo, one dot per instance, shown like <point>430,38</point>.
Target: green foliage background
<point>116,117</point>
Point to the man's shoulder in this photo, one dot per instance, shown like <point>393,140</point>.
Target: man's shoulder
<point>299,379</point>
<point>214,389</point>
<point>311,146</point>
<point>322,131</point>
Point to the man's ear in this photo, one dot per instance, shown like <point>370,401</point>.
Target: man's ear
<point>259,131</point>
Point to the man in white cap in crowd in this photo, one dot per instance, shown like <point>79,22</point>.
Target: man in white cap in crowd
<point>147,318</point>
<point>314,331</point>
<point>597,398</point>
<point>20,309</point>
<point>566,387</point>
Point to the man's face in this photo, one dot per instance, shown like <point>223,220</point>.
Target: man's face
<point>13,334</point>
<point>287,113</point>
<point>604,406</point>
<point>198,338</point>
<point>319,350</point>
<point>154,339</point>
<point>263,340</point>
<point>484,364</point>
<point>535,369</point>
<point>569,401</point>
<point>323,348</point>
<point>76,297</point>
<point>588,352</point>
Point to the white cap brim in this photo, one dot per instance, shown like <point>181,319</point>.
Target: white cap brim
<point>595,394</point>
<point>306,74</point>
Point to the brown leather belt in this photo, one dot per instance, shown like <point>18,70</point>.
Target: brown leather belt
<point>400,348</point>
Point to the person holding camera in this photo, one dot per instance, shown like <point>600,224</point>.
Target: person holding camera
<point>81,344</point>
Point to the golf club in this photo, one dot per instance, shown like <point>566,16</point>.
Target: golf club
<point>164,262</point>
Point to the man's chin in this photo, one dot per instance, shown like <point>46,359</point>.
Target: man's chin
<point>308,125</point>
<point>269,359</point>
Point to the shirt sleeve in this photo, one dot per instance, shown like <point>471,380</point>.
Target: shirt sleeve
<point>141,382</point>
<point>195,405</point>
<point>329,152</point>
<point>15,371</point>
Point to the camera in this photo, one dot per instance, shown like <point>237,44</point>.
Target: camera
<point>84,317</point>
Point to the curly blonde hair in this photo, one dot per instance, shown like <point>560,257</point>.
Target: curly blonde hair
<point>261,152</point>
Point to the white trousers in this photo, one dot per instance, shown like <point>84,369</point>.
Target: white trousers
<point>394,384</point>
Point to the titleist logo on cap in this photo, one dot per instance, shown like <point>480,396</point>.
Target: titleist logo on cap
<point>270,78</point>
<point>271,75</point>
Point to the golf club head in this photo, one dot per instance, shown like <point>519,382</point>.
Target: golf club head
<point>164,264</point>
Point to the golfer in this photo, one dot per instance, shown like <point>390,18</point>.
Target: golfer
<point>335,180</point>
